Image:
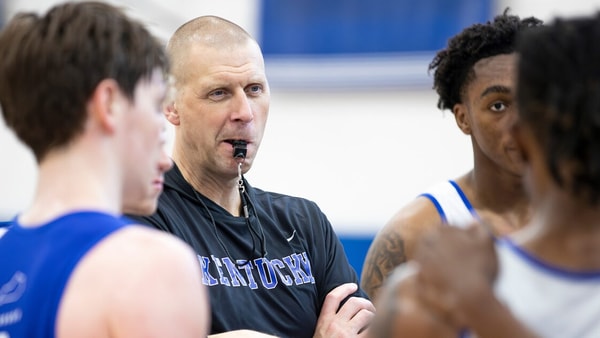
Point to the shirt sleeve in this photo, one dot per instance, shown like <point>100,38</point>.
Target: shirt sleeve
<point>334,267</point>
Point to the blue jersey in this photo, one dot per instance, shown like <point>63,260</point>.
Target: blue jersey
<point>35,266</point>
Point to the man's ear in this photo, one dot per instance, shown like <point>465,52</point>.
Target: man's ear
<point>172,114</point>
<point>462,118</point>
<point>105,105</point>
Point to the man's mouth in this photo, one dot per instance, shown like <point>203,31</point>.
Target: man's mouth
<point>239,149</point>
<point>237,142</point>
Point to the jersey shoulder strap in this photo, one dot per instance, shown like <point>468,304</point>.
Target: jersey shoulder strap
<point>451,203</point>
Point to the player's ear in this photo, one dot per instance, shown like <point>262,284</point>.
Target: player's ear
<point>171,113</point>
<point>105,104</point>
<point>462,118</point>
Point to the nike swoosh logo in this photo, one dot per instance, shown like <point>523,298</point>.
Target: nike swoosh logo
<point>289,239</point>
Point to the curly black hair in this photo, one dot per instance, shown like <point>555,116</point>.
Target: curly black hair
<point>454,64</point>
<point>558,96</point>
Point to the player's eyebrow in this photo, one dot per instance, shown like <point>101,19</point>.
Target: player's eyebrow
<point>496,89</point>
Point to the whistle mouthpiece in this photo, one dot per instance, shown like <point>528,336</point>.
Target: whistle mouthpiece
<point>239,149</point>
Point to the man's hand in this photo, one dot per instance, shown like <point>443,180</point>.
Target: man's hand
<point>456,268</point>
<point>352,318</point>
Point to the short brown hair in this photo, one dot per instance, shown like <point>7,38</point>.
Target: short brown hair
<point>50,66</point>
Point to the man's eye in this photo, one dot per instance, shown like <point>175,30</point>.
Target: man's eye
<point>498,106</point>
<point>255,89</point>
<point>217,94</point>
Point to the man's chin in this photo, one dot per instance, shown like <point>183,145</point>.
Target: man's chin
<point>140,209</point>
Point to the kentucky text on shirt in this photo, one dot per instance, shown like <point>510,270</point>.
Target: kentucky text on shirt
<point>290,270</point>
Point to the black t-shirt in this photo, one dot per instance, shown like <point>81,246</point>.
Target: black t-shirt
<point>280,294</point>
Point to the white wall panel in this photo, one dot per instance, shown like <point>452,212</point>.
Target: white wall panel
<point>359,153</point>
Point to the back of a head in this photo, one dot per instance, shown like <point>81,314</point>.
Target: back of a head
<point>454,65</point>
<point>204,32</point>
<point>50,66</point>
<point>558,94</point>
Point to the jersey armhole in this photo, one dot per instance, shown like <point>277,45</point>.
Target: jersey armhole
<point>438,207</point>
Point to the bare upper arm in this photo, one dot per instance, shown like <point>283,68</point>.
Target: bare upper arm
<point>136,283</point>
<point>400,312</point>
<point>394,244</point>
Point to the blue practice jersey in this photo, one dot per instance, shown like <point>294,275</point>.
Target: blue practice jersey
<point>35,266</point>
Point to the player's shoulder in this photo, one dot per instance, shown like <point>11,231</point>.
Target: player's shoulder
<point>140,260</point>
<point>131,275</point>
<point>406,227</point>
<point>136,252</point>
<point>142,242</point>
<point>418,215</point>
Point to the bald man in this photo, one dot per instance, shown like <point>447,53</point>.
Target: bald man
<point>272,263</point>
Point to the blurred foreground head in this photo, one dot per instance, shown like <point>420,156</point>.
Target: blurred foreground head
<point>558,94</point>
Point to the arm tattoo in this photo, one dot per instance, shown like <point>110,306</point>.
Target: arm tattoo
<point>386,254</point>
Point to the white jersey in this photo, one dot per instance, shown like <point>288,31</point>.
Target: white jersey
<point>551,301</point>
<point>452,204</point>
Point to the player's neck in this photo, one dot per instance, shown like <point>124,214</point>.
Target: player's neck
<point>560,212</point>
<point>496,191</point>
<point>564,232</point>
<point>502,204</point>
<point>70,181</point>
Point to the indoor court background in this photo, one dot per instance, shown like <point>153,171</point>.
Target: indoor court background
<point>353,123</point>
